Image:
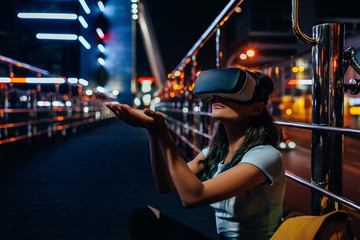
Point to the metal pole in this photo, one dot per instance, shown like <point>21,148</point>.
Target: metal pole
<point>217,42</point>
<point>327,110</point>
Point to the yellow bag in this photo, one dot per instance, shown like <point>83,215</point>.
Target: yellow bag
<point>331,226</point>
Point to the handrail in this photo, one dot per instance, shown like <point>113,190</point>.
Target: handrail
<point>329,194</point>
<point>183,138</point>
<point>194,130</point>
<point>296,26</point>
<point>293,177</point>
<point>344,131</point>
<point>26,66</point>
<point>184,108</point>
<point>218,22</point>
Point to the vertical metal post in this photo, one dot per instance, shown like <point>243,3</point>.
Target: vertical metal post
<point>327,110</point>
<point>217,42</point>
<point>134,88</point>
<point>33,112</point>
<point>3,106</point>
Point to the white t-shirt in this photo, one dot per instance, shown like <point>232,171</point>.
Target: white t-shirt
<point>256,213</point>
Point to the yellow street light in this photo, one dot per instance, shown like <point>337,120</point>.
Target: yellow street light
<point>295,69</point>
<point>250,53</point>
<point>243,56</point>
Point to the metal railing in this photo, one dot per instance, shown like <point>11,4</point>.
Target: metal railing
<point>189,118</point>
<point>51,106</point>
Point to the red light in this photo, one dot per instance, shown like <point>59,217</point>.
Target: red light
<point>140,79</point>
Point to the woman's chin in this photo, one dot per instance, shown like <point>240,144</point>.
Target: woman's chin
<point>216,115</point>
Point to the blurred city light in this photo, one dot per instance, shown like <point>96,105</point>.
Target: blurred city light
<point>85,6</point>
<point>282,145</point>
<point>134,10</point>
<point>243,56</point>
<point>45,80</point>
<point>5,80</point>
<point>300,82</point>
<point>157,100</point>
<point>83,82</point>
<point>135,16</point>
<point>59,16</point>
<point>238,9</point>
<point>146,86</point>
<point>57,104</point>
<point>72,80</point>
<point>84,42</point>
<point>101,6</point>
<point>43,103</point>
<point>100,89</point>
<point>137,101</point>
<point>146,99</point>
<point>101,48</point>
<point>292,145</point>
<point>56,36</point>
<point>115,92</point>
<point>100,33</point>
<point>101,61</point>
<point>83,22</point>
<point>355,110</point>
<point>250,53</point>
<point>295,69</point>
<point>185,110</point>
<point>196,109</point>
<point>89,92</point>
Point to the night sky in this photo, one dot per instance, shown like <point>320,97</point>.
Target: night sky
<point>178,25</point>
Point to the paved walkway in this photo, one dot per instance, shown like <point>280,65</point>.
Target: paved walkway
<point>84,187</point>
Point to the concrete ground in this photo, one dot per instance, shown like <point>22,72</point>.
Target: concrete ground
<point>84,186</point>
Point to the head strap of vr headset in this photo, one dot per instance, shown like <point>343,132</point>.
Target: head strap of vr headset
<point>260,94</point>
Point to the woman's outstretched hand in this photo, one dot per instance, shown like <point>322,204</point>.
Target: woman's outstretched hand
<point>148,119</point>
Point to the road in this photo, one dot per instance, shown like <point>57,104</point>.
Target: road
<point>298,162</point>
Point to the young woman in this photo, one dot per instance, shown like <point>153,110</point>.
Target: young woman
<point>240,174</point>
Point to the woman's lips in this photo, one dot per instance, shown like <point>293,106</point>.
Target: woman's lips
<point>218,105</point>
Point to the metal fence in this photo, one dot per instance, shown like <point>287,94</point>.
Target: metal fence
<point>35,102</point>
<point>189,118</point>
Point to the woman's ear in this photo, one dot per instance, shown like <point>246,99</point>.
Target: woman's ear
<point>257,108</point>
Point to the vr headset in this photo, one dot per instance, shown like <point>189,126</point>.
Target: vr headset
<point>230,83</point>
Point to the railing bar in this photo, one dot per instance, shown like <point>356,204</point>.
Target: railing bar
<point>183,138</point>
<point>226,12</point>
<point>165,109</point>
<point>345,131</point>
<point>62,109</point>
<point>26,66</point>
<point>318,128</point>
<point>190,128</point>
<point>53,129</point>
<point>297,179</point>
<point>331,195</point>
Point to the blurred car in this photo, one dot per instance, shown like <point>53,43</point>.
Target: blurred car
<point>286,144</point>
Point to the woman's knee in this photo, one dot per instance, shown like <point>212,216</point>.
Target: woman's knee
<point>155,211</point>
<point>144,214</point>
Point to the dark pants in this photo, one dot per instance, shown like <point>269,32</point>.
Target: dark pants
<point>144,225</point>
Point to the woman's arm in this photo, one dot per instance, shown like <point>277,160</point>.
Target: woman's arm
<point>191,190</point>
<point>138,118</point>
<point>159,167</point>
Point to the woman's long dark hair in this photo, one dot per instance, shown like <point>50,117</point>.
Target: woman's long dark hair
<point>260,131</point>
